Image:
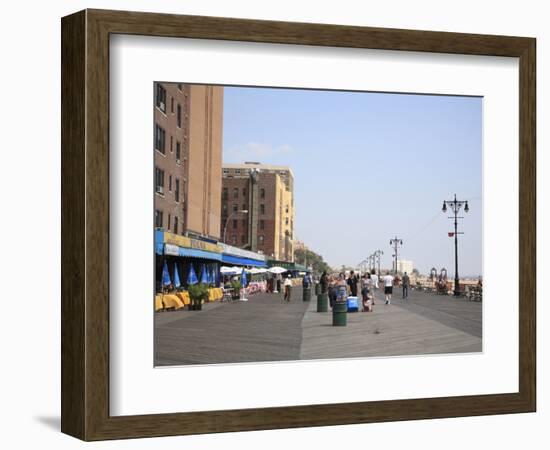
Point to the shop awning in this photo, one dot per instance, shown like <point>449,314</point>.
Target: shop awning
<point>242,261</point>
<point>195,253</point>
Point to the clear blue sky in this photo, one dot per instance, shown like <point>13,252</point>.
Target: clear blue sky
<point>368,167</point>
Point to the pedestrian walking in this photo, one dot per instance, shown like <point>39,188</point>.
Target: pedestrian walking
<point>324,282</point>
<point>352,283</point>
<point>406,282</point>
<point>331,292</point>
<point>306,281</point>
<point>366,293</point>
<point>374,284</point>
<point>288,289</point>
<point>388,287</point>
<point>278,280</point>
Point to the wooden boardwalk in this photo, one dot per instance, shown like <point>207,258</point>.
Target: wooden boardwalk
<point>427,324</point>
<point>262,329</point>
<point>266,329</point>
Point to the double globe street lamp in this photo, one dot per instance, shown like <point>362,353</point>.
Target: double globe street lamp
<point>456,206</point>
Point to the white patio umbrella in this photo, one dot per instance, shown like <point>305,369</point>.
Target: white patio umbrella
<point>277,269</point>
<point>229,271</point>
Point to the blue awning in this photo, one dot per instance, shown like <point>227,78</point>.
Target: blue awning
<point>242,261</point>
<point>196,253</point>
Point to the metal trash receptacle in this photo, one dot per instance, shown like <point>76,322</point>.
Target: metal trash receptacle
<point>340,307</point>
<point>322,302</point>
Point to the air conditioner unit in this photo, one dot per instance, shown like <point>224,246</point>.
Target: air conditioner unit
<point>160,189</point>
<point>162,106</point>
<point>178,161</point>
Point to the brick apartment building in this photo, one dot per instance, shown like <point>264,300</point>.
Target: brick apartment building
<point>188,156</point>
<point>258,209</point>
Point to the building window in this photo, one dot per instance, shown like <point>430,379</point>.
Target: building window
<point>159,180</point>
<point>261,239</point>
<point>244,192</point>
<point>178,116</point>
<point>235,193</point>
<point>244,207</point>
<point>178,150</point>
<point>172,105</point>
<point>235,207</point>
<point>242,239</point>
<point>160,138</point>
<point>180,88</point>
<point>262,208</point>
<point>170,189</point>
<point>233,239</point>
<point>237,171</point>
<point>175,224</point>
<point>177,194</point>
<point>161,98</point>
<point>234,223</point>
<point>286,221</point>
<point>224,195</point>
<point>262,193</point>
<point>244,223</point>
<point>224,208</point>
<point>262,224</point>
<point>225,172</point>
<point>171,144</point>
<point>169,217</point>
<point>286,209</point>
<point>158,218</point>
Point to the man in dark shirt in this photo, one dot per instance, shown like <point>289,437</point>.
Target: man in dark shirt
<point>352,283</point>
<point>406,283</point>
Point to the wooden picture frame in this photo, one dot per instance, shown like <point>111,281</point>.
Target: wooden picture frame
<point>85,224</point>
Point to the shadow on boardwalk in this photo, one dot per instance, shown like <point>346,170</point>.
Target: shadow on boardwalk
<point>262,329</point>
<point>267,329</point>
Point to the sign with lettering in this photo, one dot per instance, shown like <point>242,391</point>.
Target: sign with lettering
<point>186,242</point>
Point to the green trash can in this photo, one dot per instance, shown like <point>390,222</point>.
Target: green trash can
<point>340,313</point>
<point>322,302</point>
<point>307,294</point>
<point>317,288</point>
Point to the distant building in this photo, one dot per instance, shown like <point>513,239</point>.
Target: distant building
<point>188,156</point>
<point>404,265</point>
<point>257,208</point>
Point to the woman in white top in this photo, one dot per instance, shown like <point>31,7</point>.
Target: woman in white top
<point>374,284</point>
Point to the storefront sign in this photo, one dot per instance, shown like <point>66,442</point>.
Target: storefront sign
<point>186,242</point>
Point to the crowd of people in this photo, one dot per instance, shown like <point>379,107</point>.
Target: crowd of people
<point>339,286</point>
<point>367,285</point>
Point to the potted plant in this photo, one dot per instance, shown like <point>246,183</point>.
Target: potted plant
<point>236,289</point>
<point>197,293</point>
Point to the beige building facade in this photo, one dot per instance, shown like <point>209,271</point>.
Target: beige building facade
<point>258,209</point>
<point>188,155</point>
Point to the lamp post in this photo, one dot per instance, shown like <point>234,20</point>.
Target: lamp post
<point>396,242</point>
<point>377,254</point>
<point>370,260</point>
<point>242,211</point>
<point>456,206</point>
